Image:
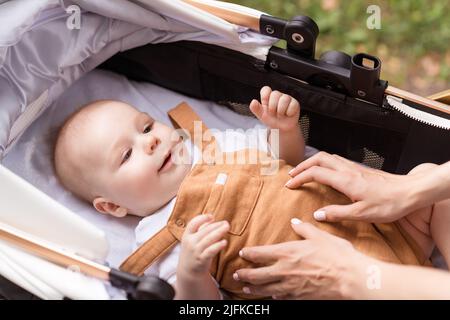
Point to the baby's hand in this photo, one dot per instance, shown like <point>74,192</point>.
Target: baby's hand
<point>276,110</point>
<point>201,241</point>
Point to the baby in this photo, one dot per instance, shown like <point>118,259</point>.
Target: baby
<point>124,162</point>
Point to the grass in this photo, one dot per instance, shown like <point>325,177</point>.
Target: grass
<point>413,41</point>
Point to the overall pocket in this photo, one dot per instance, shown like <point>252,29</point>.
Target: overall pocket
<point>233,198</point>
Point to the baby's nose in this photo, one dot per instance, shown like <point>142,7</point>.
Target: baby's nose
<point>152,144</point>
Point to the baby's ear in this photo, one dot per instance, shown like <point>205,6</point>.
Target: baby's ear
<point>105,206</point>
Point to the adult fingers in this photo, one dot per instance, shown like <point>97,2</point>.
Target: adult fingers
<point>321,159</point>
<point>263,254</point>
<point>337,180</point>
<point>334,213</point>
<point>287,296</point>
<point>270,289</point>
<point>307,230</point>
<point>257,276</point>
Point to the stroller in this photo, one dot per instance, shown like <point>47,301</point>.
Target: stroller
<point>213,51</point>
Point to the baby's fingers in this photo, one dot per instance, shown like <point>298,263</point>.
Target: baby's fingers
<point>213,236</point>
<point>265,94</point>
<point>213,250</point>
<point>283,104</point>
<point>256,108</point>
<point>194,225</point>
<point>273,102</point>
<point>293,108</point>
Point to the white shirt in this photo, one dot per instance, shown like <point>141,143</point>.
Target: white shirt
<point>228,141</point>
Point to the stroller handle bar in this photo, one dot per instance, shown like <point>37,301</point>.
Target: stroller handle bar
<point>139,288</point>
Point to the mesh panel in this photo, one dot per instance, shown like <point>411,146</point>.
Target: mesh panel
<point>240,108</point>
<point>372,159</point>
<point>304,125</point>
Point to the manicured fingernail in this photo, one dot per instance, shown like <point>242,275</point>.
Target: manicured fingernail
<point>288,183</point>
<point>320,215</point>
<point>240,253</point>
<point>274,297</point>
<point>235,276</point>
<point>290,171</point>
<point>296,221</point>
<point>246,290</point>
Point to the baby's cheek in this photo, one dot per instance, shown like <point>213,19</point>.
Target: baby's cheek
<point>141,182</point>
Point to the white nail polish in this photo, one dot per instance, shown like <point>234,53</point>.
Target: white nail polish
<point>288,182</point>
<point>235,276</point>
<point>320,215</point>
<point>240,253</point>
<point>290,171</point>
<point>296,221</point>
<point>246,290</point>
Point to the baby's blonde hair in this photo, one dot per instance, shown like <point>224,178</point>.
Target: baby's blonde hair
<point>69,171</point>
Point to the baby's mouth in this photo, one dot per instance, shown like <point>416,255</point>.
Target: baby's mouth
<point>167,163</point>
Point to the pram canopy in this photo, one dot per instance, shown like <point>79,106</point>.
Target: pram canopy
<point>187,50</point>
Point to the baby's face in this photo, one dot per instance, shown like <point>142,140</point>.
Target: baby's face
<point>134,160</point>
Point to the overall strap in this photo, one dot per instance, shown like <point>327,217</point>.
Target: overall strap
<point>184,117</point>
<point>153,249</point>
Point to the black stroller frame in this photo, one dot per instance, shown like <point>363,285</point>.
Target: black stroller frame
<point>343,101</point>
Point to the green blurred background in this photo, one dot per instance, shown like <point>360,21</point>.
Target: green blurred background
<point>413,42</point>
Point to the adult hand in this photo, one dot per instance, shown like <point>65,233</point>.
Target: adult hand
<point>377,196</point>
<point>322,266</point>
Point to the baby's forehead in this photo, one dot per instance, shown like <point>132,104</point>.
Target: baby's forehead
<point>95,125</point>
<point>109,108</point>
<point>105,114</point>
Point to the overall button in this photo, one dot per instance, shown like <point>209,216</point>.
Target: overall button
<point>180,223</point>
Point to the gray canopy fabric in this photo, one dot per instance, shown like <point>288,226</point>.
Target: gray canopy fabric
<point>42,54</point>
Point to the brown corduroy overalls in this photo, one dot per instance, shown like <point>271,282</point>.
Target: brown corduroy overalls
<point>259,209</point>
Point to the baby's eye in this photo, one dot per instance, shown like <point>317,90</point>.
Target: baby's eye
<point>148,128</point>
<point>126,156</point>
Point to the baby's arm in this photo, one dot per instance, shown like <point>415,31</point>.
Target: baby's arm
<point>281,111</point>
<point>201,241</point>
